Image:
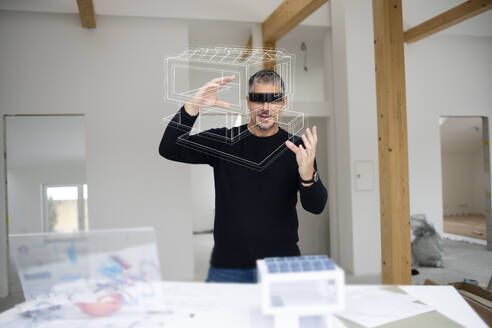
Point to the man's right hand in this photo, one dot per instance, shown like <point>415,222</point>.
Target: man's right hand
<point>206,96</point>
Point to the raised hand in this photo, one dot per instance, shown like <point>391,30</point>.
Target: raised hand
<point>306,154</point>
<point>206,96</point>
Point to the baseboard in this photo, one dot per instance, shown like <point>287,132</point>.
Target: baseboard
<point>470,240</point>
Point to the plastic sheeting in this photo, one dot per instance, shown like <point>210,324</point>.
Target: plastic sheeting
<point>427,247</point>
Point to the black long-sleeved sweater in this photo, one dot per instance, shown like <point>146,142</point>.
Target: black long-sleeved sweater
<point>255,212</point>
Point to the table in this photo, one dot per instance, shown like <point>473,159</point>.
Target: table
<point>196,304</point>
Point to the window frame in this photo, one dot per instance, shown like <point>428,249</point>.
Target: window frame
<point>80,204</point>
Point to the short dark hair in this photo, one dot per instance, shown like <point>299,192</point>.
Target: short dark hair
<point>266,76</point>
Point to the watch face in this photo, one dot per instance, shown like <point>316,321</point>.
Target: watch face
<point>316,176</point>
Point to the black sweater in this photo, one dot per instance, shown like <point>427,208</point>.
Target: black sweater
<point>255,212</point>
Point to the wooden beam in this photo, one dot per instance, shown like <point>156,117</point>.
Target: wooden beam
<point>249,46</point>
<point>393,142</point>
<point>87,13</point>
<point>449,18</point>
<point>287,16</point>
<point>268,63</point>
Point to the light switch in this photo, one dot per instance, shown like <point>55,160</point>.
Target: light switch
<point>364,175</point>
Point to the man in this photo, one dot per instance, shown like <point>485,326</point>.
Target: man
<point>255,212</point>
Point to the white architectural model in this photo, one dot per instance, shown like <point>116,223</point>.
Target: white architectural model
<point>190,70</point>
<point>293,287</point>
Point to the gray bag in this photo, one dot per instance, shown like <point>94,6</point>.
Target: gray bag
<point>427,248</point>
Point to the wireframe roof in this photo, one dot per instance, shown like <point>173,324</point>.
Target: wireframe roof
<point>235,56</point>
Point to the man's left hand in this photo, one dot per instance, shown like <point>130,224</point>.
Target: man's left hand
<point>305,155</point>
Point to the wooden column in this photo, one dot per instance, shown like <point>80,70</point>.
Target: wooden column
<point>393,143</point>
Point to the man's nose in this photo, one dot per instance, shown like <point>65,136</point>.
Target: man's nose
<point>266,109</point>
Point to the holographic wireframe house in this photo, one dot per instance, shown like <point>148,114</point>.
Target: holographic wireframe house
<point>191,69</point>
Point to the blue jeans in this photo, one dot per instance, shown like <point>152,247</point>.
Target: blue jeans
<point>231,275</point>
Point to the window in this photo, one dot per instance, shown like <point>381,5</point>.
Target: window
<point>65,208</point>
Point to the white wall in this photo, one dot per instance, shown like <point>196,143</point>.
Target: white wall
<point>479,184</point>
<point>354,112</point>
<point>4,288</point>
<point>446,75</point>
<point>25,195</point>
<point>113,75</point>
<point>309,85</point>
<point>463,184</point>
<point>457,184</point>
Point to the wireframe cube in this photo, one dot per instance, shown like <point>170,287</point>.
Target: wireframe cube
<point>191,69</point>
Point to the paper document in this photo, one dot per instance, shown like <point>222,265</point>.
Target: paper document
<point>372,307</point>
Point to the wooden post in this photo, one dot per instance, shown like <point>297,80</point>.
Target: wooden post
<point>393,143</point>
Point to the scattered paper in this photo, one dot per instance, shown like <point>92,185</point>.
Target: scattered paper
<point>372,307</point>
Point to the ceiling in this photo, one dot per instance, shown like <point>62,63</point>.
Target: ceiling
<point>414,11</point>
<point>228,10</point>
<point>44,140</point>
<point>461,136</point>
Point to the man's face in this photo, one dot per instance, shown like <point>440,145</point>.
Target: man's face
<point>265,115</point>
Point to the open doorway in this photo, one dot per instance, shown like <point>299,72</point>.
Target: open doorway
<point>465,246</point>
<point>465,203</point>
<point>46,178</point>
<point>465,178</point>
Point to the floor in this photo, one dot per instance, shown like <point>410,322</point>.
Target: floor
<point>468,225</point>
<point>461,260</point>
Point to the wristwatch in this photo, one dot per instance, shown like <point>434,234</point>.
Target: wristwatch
<point>314,179</point>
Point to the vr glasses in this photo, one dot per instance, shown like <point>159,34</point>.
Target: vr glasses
<point>266,97</point>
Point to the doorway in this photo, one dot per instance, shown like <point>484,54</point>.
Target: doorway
<point>465,178</point>
<point>46,187</point>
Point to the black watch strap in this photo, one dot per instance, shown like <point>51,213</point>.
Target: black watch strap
<point>314,179</point>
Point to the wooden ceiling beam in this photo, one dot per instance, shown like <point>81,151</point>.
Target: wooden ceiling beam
<point>449,18</point>
<point>269,64</point>
<point>249,46</point>
<point>87,13</point>
<point>288,15</point>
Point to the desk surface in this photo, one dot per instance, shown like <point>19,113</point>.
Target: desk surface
<point>193,304</point>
